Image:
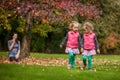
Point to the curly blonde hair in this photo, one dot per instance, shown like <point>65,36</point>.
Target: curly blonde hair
<point>71,25</point>
<point>88,25</point>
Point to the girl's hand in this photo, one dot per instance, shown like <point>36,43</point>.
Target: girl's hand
<point>82,50</point>
<point>98,51</point>
<point>61,46</point>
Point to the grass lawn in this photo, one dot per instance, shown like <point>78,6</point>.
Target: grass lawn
<point>106,71</point>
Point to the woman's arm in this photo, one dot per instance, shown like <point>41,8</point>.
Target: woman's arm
<point>11,44</point>
<point>18,53</point>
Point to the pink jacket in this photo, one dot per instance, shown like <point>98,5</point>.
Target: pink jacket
<point>72,41</point>
<point>89,41</point>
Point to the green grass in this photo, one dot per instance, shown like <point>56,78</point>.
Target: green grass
<point>106,71</point>
<point>26,72</point>
<point>38,55</point>
<point>3,53</point>
<point>49,55</point>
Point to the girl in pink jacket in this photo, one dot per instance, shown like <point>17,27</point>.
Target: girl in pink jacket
<point>90,45</point>
<point>73,41</point>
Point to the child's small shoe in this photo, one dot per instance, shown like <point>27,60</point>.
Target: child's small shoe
<point>90,69</point>
<point>69,66</point>
<point>83,67</point>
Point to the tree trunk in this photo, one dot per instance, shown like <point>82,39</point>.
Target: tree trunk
<point>25,50</point>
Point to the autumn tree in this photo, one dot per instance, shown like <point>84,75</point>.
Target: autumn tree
<point>38,16</point>
<point>108,27</point>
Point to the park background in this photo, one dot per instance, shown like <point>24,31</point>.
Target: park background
<point>48,23</point>
<point>41,26</point>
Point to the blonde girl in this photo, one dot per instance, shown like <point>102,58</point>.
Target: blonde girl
<point>73,41</point>
<point>89,45</point>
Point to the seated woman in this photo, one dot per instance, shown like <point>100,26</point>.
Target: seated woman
<point>14,48</point>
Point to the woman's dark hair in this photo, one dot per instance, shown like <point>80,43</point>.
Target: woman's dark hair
<point>17,37</point>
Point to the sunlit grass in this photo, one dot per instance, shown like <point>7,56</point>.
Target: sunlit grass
<point>27,72</point>
<point>43,55</point>
<point>61,55</point>
<point>105,67</point>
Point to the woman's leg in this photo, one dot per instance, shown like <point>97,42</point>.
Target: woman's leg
<point>17,60</point>
<point>11,58</point>
<point>14,59</point>
<point>90,62</point>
